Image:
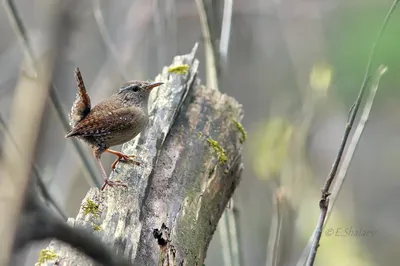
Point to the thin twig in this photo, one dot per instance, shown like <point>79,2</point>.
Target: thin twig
<point>233,230</point>
<point>318,233</point>
<point>211,64</point>
<point>355,139</point>
<point>98,15</point>
<point>353,113</point>
<point>238,235</point>
<point>281,233</point>
<point>225,239</point>
<point>225,31</point>
<point>274,236</point>
<point>20,31</point>
<point>160,24</point>
<point>324,202</point>
<point>348,156</point>
<point>275,233</point>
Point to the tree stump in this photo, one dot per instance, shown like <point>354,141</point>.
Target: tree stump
<point>191,163</point>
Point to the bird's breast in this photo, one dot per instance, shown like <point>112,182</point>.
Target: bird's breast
<point>128,132</point>
<point>137,126</point>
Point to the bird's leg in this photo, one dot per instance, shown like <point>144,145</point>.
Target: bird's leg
<point>121,156</point>
<point>107,181</point>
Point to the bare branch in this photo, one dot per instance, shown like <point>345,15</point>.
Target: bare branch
<point>98,15</point>
<point>39,223</point>
<point>232,214</point>
<point>280,234</point>
<point>348,156</point>
<point>355,139</point>
<point>225,239</point>
<point>324,202</point>
<point>211,61</point>
<point>225,31</point>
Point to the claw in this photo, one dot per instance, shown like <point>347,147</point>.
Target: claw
<point>129,158</point>
<point>122,157</point>
<point>113,184</point>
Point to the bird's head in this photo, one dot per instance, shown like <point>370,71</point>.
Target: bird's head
<point>137,92</point>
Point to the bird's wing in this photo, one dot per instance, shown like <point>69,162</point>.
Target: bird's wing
<point>81,106</point>
<point>103,121</point>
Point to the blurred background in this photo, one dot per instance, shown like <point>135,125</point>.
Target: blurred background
<point>296,66</point>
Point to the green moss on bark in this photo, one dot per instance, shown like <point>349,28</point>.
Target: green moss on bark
<point>219,150</point>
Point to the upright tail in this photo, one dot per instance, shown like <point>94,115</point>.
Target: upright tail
<point>81,106</point>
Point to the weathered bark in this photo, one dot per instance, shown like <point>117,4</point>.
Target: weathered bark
<point>176,197</point>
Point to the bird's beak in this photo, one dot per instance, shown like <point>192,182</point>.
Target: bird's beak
<point>153,85</point>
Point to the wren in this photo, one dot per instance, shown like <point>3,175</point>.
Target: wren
<point>112,122</point>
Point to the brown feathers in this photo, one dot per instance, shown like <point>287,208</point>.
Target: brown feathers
<point>81,106</point>
<point>113,121</point>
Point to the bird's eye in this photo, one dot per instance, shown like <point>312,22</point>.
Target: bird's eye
<point>135,88</point>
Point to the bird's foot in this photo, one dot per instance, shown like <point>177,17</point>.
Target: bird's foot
<point>122,157</point>
<point>125,158</point>
<point>116,183</point>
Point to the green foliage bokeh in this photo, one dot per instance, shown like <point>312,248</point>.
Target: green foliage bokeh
<point>350,33</point>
